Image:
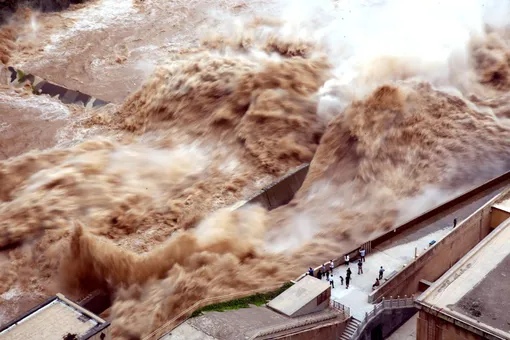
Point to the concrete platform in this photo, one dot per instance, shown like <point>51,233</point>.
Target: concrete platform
<point>246,323</point>
<point>407,331</point>
<point>301,298</point>
<point>53,320</point>
<point>476,289</point>
<point>398,252</point>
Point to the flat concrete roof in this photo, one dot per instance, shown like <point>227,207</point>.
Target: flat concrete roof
<point>51,321</point>
<point>476,290</point>
<point>243,323</point>
<point>503,205</point>
<point>297,296</point>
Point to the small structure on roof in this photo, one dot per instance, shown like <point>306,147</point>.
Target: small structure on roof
<point>58,318</point>
<point>308,295</point>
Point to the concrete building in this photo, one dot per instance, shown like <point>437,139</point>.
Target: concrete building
<point>309,295</point>
<point>472,300</point>
<point>302,312</point>
<point>57,318</point>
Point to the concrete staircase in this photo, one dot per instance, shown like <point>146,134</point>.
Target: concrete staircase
<point>351,328</point>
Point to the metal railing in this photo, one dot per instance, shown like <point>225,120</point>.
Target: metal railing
<point>308,320</point>
<point>338,306</point>
<point>378,308</point>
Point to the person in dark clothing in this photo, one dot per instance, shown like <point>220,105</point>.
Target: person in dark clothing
<point>327,275</point>
<point>310,271</point>
<point>348,277</point>
<point>360,267</point>
<point>319,274</point>
<point>376,284</point>
<point>381,272</point>
<point>454,222</point>
<point>341,280</point>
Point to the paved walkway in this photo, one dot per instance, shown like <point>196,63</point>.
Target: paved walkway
<point>392,259</point>
<point>407,331</point>
<point>396,253</point>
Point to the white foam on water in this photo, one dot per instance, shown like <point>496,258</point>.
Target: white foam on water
<point>4,126</point>
<point>95,17</point>
<point>11,293</point>
<point>48,108</point>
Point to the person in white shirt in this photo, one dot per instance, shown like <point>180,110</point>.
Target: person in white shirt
<point>362,254</point>
<point>331,266</point>
<point>346,258</point>
<point>331,283</point>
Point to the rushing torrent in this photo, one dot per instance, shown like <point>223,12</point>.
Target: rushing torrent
<point>142,208</point>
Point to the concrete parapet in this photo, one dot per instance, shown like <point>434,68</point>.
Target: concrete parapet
<point>18,78</point>
<point>281,191</point>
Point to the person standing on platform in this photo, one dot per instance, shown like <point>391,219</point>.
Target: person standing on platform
<point>319,274</point>
<point>331,282</point>
<point>381,272</point>
<point>341,280</point>
<point>360,267</point>
<point>310,271</point>
<point>348,278</point>
<point>346,259</point>
<point>331,266</point>
<point>362,254</point>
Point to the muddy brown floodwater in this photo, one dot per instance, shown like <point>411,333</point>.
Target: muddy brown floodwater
<point>28,121</point>
<point>214,100</point>
<point>108,48</point>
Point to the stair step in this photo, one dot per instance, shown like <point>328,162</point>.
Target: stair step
<point>351,328</point>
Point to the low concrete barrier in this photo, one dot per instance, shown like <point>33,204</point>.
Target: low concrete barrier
<point>18,78</point>
<point>281,191</point>
<point>413,223</point>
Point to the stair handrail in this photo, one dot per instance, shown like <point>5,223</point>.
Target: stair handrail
<point>397,303</point>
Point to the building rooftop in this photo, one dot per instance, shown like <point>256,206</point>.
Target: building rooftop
<point>475,291</point>
<point>246,323</point>
<point>503,204</point>
<point>299,295</point>
<point>53,320</point>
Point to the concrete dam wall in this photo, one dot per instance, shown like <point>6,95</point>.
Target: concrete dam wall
<point>18,78</point>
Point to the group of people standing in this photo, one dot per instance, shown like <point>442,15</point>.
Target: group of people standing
<point>326,270</point>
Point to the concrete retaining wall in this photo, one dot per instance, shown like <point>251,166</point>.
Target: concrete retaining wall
<point>18,78</point>
<point>430,327</point>
<point>439,258</point>
<point>281,191</point>
<point>332,330</point>
<point>386,322</point>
